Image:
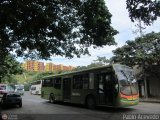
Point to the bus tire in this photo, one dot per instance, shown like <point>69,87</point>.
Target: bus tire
<point>20,104</point>
<point>90,102</point>
<point>51,98</point>
<point>2,103</point>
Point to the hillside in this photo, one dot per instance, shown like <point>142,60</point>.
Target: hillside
<point>28,77</point>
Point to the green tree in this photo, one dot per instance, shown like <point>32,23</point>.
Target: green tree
<point>144,50</point>
<point>48,27</point>
<point>145,10</point>
<point>9,79</point>
<point>100,61</point>
<point>44,28</point>
<point>8,67</point>
<point>78,68</point>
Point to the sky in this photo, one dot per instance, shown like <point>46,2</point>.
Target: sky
<point>121,22</point>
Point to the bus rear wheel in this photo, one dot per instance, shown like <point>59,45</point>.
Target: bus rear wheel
<point>90,102</point>
<point>51,98</point>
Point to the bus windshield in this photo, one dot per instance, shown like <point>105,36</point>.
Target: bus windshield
<point>128,84</point>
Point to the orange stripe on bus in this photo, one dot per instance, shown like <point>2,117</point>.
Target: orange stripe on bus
<point>126,96</point>
<point>135,96</point>
<point>129,97</point>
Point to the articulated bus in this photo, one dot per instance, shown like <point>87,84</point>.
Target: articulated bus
<point>112,85</point>
<point>35,88</point>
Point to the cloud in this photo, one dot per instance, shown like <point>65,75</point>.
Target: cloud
<point>85,59</point>
<point>120,20</point>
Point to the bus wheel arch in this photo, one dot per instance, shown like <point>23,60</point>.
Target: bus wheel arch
<point>51,98</point>
<point>90,101</point>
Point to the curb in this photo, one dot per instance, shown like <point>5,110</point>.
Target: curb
<point>149,101</point>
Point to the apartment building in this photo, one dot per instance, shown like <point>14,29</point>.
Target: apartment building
<point>32,65</point>
<point>66,68</point>
<point>59,67</point>
<point>41,66</point>
<point>49,67</point>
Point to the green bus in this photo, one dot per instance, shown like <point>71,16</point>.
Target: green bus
<point>112,85</point>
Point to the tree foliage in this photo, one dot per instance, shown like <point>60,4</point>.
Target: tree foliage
<point>145,10</point>
<point>9,79</point>
<point>100,61</point>
<point>8,67</point>
<point>54,27</point>
<point>143,50</point>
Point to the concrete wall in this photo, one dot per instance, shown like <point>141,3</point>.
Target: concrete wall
<point>153,80</point>
<point>154,86</point>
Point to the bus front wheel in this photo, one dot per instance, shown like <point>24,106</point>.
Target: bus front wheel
<point>90,102</point>
<point>51,98</point>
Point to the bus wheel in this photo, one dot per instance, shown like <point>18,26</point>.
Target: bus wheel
<point>20,104</point>
<point>90,102</point>
<point>51,98</point>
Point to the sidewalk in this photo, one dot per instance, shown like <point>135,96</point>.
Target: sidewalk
<point>150,100</point>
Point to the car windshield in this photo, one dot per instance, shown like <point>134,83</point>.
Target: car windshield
<point>13,95</point>
<point>19,89</point>
<point>33,88</point>
<point>2,87</point>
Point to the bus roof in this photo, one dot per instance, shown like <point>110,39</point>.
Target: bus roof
<point>35,82</point>
<point>19,85</point>
<point>73,72</point>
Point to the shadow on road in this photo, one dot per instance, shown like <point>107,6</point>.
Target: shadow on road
<point>9,107</point>
<point>98,108</point>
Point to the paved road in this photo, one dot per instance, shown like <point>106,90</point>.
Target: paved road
<point>36,108</point>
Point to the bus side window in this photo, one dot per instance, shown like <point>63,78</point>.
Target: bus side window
<point>91,81</point>
<point>85,81</point>
<point>47,82</point>
<point>108,79</point>
<point>101,84</point>
<point>77,82</point>
<point>57,83</point>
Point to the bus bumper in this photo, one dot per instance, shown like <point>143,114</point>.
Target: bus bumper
<point>126,103</point>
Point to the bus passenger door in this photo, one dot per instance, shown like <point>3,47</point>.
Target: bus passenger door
<point>101,90</point>
<point>109,89</point>
<point>66,89</point>
<point>105,89</point>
